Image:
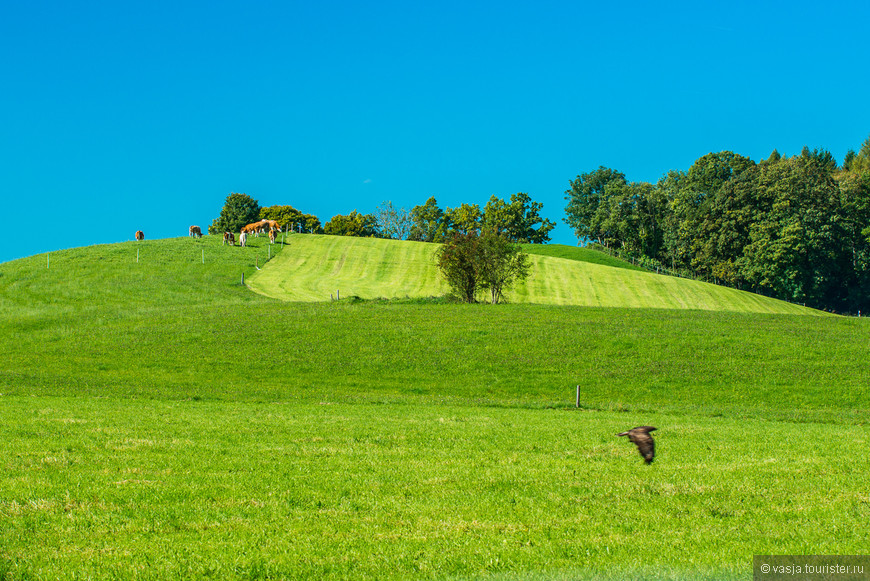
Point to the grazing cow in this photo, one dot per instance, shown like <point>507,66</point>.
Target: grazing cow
<point>195,232</point>
<point>140,235</point>
<point>243,239</point>
<point>271,237</point>
<point>229,238</point>
<point>257,228</point>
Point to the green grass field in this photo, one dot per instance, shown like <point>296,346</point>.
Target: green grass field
<point>319,268</point>
<point>162,421</point>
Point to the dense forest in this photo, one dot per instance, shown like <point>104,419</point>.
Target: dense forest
<point>795,228</point>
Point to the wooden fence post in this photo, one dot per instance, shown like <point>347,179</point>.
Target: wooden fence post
<point>578,396</point>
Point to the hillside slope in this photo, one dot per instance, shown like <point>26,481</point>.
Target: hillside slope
<point>317,268</point>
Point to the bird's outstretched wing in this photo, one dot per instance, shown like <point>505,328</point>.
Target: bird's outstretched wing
<point>640,437</point>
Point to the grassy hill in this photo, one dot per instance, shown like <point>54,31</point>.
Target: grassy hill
<point>318,268</point>
<point>162,421</point>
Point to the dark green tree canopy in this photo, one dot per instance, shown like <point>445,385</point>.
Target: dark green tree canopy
<point>518,221</point>
<point>291,218</point>
<point>585,197</point>
<point>354,224</point>
<point>239,210</point>
<point>796,228</point>
<point>428,222</point>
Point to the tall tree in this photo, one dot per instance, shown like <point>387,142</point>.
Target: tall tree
<point>465,219</point>
<point>585,197</point>
<point>724,228</point>
<point>429,224</point>
<point>393,222</point>
<point>795,249</point>
<point>239,210</point>
<point>519,220</point>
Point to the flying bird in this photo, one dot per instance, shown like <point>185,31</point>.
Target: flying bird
<point>641,438</point>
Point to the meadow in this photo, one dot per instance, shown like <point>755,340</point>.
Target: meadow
<point>162,421</point>
<point>321,268</point>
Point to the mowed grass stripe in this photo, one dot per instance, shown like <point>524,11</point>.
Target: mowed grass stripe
<point>317,268</point>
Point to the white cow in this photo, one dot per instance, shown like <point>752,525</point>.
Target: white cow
<point>243,239</point>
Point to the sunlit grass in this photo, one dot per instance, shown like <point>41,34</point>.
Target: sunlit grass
<point>150,489</point>
<point>323,268</point>
<point>162,421</point>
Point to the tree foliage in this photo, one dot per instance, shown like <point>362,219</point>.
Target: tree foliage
<point>502,263</point>
<point>353,224</point>
<point>239,210</point>
<point>465,219</point>
<point>393,222</point>
<point>519,220</point>
<point>428,222</point>
<point>796,228</point>
<point>290,218</point>
<point>472,262</point>
<point>585,198</point>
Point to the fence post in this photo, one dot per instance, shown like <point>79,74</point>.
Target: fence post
<point>578,396</point>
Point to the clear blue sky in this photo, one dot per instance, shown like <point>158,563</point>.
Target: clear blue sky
<point>145,115</point>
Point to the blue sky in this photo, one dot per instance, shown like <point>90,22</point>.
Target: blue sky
<point>125,116</point>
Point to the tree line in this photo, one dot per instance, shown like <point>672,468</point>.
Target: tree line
<point>518,220</point>
<point>795,228</point>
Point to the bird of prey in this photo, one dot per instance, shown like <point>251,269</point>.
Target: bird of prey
<point>641,438</point>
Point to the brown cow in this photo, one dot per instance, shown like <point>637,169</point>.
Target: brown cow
<point>229,238</point>
<point>195,232</point>
<point>140,235</point>
<point>250,228</point>
<point>271,237</point>
<point>256,228</point>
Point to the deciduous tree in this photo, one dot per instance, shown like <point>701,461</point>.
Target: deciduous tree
<point>428,222</point>
<point>585,197</point>
<point>393,222</point>
<point>489,261</point>
<point>238,210</point>
<point>353,224</point>
<point>519,220</point>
